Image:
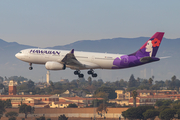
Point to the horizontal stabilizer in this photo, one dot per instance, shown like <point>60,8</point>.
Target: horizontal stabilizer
<point>148,59</point>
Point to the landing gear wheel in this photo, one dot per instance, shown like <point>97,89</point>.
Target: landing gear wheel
<point>94,75</point>
<point>80,75</point>
<point>90,72</point>
<point>30,68</point>
<point>76,72</point>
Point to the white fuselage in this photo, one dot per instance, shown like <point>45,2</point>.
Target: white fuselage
<point>91,60</point>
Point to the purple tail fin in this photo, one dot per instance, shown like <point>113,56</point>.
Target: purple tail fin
<point>150,48</point>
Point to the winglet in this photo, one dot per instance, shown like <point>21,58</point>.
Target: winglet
<point>72,51</point>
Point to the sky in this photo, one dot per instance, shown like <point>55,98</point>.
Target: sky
<point>48,23</point>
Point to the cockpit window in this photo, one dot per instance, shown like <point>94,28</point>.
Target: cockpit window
<point>20,52</point>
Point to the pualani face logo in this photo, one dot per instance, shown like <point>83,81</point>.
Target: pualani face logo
<point>151,44</point>
<point>45,52</point>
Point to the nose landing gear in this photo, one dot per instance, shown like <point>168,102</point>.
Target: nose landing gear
<point>30,68</point>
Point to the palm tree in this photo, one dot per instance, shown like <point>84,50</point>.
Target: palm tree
<point>173,78</point>
<point>78,82</point>
<point>90,80</point>
<point>52,86</point>
<point>173,81</point>
<point>150,81</point>
<point>134,95</point>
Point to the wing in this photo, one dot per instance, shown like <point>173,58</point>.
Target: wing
<point>71,61</point>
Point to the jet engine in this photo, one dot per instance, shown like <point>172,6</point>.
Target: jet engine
<point>53,65</point>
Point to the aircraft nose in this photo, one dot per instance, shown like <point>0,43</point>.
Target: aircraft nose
<point>17,55</point>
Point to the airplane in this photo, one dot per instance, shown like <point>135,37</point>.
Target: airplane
<point>76,60</point>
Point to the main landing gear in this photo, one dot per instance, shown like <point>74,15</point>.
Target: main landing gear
<point>91,72</point>
<point>77,72</point>
<point>30,68</point>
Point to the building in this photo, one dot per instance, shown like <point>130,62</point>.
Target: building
<point>61,104</point>
<point>12,88</point>
<point>144,97</point>
<point>79,101</point>
<point>68,93</point>
<point>121,95</point>
<point>122,98</point>
<point>52,101</point>
<point>32,100</point>
<point>149,97</point>
<point>148,100</point>
<point>124,102</point>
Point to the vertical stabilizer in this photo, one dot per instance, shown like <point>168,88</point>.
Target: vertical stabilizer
<point>150,48</point>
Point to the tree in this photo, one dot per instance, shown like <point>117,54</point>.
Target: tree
<point>96,103</point>
<point>52,86</point>
<point>161,108</point>
<point>101,95</point>
<point>90,80</point>
<point>167,102</point>
<point>23,108</point>
<point>1,79</point>
<point>173,81</point>
<point>30,84</point>
<point>167,114</point>
<point>7,103</point>
<point>72,105</point>
<point>109,90</point>
<point>150,81</point>
<point>16,78</point>
<point>176,106</point>
<point>123,83</point>
<point>173,78</point>
<point>2,108</point>
<point>132,81</point>
<point>136,113</point>
<point>78,81</point>
<point>178,112</point>
<point>150,114</point>
<point>62,117</point>
<point>1,86</point>
<point>102,108</point>
<point>11,115</point>
<point>134,94</point>
<point>159,103</point>
<point>41,118</point>
<point>163,103</point>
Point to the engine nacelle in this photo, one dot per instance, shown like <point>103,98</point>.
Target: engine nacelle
<point>53,65</point>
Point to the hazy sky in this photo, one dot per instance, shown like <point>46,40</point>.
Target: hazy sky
<point>47,23</point>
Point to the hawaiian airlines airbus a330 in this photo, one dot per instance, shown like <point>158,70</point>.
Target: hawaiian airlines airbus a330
<point>60,59</point>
